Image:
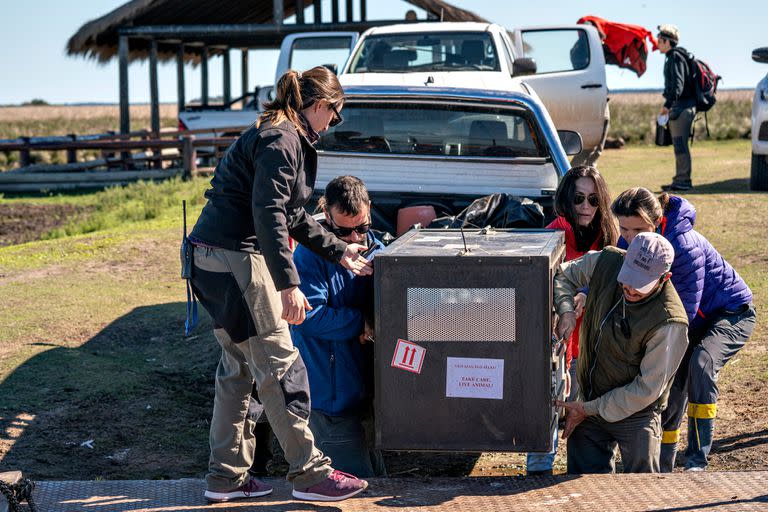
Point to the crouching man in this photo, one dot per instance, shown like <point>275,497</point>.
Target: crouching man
<point>633,337</point>
<point>335,339</point>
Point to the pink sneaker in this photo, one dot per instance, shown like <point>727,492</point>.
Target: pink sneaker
<point>338,486</point>
<point>253,488</point>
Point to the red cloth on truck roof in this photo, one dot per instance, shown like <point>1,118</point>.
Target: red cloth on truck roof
<point>624,45</point>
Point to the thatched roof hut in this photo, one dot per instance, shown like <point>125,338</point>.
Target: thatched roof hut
<point>248,24</point>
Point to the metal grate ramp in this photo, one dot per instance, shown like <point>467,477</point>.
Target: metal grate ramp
<point>709,491</point>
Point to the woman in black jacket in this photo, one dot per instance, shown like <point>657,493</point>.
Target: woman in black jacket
<point>245,278</point>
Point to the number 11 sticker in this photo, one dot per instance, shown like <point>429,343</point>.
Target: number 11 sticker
<point>408,356</point>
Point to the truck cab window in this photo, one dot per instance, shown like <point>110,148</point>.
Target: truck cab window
<point>430,51</point>
<point>557,50</point>
<point>439,129</point>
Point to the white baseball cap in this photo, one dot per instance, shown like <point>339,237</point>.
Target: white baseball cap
<point>648,257</point>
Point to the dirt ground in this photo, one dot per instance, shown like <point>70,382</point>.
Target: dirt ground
<point>22,222</point>
<point>741,437</point>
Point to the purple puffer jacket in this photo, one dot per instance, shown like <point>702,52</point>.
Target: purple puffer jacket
<point>701,276</point>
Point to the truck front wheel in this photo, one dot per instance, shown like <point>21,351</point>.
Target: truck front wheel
<point>759,179</point>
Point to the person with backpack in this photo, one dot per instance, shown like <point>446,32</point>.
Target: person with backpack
<point>679,103</point>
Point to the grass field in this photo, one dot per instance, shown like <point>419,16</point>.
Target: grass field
<point>632,118</point>
<point>37,121</point>
<point>91,344</point>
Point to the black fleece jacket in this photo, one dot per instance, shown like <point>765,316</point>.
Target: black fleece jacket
<point>257,199</point>
<point>678,88</point>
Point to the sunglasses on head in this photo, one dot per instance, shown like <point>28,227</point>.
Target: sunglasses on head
<point>592,199</point>
<point>337,119</point>
<point>342,231</point>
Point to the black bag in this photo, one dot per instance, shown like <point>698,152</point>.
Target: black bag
<point>663,135</point>
<point>497,210</point>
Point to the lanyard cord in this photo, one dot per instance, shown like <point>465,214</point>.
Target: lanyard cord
<point>597,344</point>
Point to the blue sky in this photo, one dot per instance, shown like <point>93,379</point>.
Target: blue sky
<point>35,32</point>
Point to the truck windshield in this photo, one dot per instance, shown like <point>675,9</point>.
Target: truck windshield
<point>434,129</point>
<point>430,51</point>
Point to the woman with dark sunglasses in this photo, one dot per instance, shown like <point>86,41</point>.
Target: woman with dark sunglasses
<point>582,205</point>
<point>245,278</point>
<point>721,316</point>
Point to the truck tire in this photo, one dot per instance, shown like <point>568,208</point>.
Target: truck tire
<point>759,178</point>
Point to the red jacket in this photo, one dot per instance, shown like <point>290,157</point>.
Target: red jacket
<point>571,253</point>
<point>624,45</point>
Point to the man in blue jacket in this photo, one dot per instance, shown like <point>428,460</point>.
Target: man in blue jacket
<point>335,339</point>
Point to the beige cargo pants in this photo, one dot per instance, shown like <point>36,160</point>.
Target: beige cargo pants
<point>238,292</point>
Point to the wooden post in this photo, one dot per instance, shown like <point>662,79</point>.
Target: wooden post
<point>72,153</point>
<point>335,11</point>
<point>318,5</point>
<point>125,120</point>
<point>227,86</point>
<point>154,103</point>
<point>180,100</point>
<point>24,155</point>
<point>107,154</point>
<point>300,12</point>
<point>277,12</point>
<point>204,75</point>
<point>189,156</point>
<point>244,73</point>
<point>154,100</point>
<point>363,10</point>
<point>350,10</point>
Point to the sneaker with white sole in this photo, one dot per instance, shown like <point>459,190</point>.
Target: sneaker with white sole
<point>253,488</point>
<point>338,486</point>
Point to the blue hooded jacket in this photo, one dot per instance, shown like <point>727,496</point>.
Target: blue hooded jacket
<point>705,282</point>
<point>339,377</point>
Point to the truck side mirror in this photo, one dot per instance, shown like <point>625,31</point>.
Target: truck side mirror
<point>571,141</point>
<point>524,66</point>
<point>332,67</point>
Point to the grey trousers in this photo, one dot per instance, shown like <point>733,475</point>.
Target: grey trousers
<point>589,156</point>
<point>256,347</point>
<point>694,388</point>
<point>348,440</point>
<point>592,445</point>
<point>680,129</point>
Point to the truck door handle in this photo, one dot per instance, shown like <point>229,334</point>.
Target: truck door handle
<point>591,86</point>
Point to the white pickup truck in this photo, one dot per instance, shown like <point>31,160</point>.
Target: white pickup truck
<point>297,51</point>
<point>444,147</point>
<point>563,64</point>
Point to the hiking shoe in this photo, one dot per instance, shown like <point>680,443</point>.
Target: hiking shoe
<point>338,486</point>
<point>253,488</point>
<point>539,472</point>
<point>676,187</point>
<point>694,468</point>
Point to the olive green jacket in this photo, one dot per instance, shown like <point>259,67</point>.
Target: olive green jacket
<point>629,352</point>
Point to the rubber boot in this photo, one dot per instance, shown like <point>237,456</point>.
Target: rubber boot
<point>701,429</point>
<point>668,453</point>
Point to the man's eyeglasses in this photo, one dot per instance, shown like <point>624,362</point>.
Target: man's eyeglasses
<point>342,231</point>
<point>592,199</point>
<point>337,119</point>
